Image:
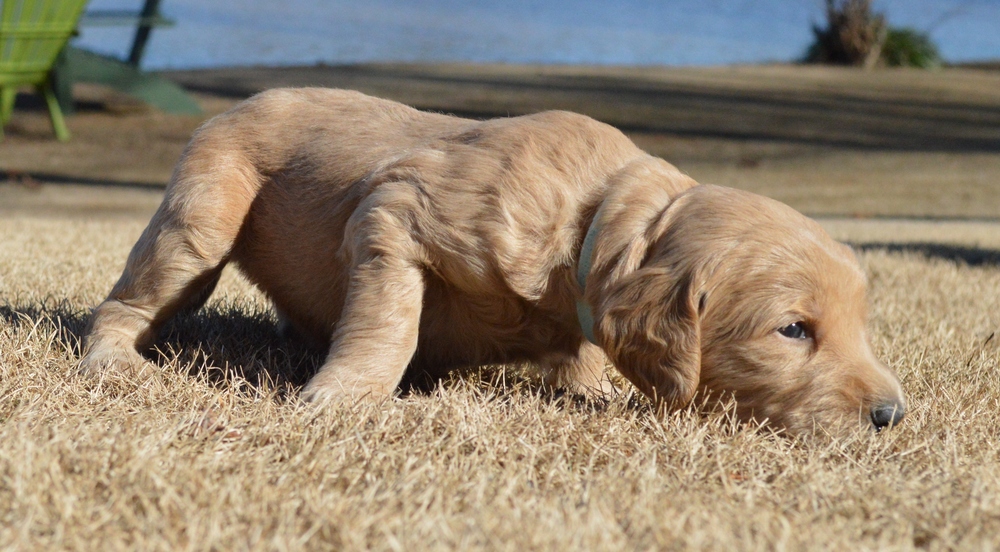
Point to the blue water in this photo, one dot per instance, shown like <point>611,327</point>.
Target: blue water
<point>215,33</point>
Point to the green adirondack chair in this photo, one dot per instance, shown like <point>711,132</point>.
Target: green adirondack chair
<point>32,33</point>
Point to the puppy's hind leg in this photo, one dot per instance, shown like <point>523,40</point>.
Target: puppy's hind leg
<point>198,299</point>
<point>174,265</point>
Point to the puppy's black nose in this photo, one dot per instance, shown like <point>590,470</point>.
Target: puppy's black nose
<point>888,413</point>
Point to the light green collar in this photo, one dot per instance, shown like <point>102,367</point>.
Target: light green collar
<point>583,311</point>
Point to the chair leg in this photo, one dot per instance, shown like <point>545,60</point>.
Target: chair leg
<point>7,95</point>
<point>55,113</point>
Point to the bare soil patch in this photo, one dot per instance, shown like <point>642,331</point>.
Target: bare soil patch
<point>828,141</point>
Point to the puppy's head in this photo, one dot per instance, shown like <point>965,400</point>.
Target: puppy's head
<point>739,295</point>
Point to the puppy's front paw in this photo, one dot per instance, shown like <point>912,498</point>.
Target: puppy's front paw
<point>321,395</point>
<point>325,389</point>
<point>601,388</point>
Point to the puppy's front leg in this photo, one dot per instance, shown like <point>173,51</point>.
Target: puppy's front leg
<point>585,373</point>
<point>376,336</point>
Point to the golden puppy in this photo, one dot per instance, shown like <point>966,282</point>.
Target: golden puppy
<point>402,238</point>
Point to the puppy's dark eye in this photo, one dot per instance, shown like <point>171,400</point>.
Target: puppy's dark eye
<point>794,331</point>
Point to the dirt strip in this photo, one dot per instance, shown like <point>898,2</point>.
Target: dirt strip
<point>828,141</point>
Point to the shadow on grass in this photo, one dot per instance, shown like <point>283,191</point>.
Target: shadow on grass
<point>222,342</point>
<point>51,316</point>
<point>972,256</point>
<point>227,344</point>
<point>32,178</point>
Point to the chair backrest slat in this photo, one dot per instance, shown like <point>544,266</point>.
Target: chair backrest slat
<point>32,32</point>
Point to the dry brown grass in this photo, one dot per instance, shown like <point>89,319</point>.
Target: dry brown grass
<point>218,458</point>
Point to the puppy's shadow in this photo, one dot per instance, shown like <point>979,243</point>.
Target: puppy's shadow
<point>223,342</point>
<point>226,342</point>
<point>50,316</point>
<point>504,383</point>
<point>235,341</point>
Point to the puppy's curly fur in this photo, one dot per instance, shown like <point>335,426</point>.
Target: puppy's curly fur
<point>402,238</point>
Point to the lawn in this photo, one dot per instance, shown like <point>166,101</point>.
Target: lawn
<point>215,452</point>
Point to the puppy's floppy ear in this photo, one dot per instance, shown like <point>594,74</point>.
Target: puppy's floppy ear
<point>649,326</point>
<point>646,312</point>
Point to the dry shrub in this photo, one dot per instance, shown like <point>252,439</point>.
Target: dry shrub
<point>211,451</point>
<point>853,34</point>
